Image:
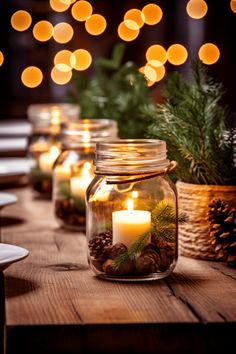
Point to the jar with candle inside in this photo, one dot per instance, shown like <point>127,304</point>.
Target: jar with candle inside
<point>132,215</point>
<point>44,146</point>
<point>74,169</point>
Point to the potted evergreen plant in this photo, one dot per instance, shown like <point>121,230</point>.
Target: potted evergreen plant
<point>200,134</point>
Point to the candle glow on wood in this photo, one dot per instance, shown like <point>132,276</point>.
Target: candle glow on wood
<point>78,185</point>
<point>129,224</point>
<point>47,159</point>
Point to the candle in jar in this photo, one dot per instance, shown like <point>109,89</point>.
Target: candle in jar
<point>47,159</point>
<point>78,185</point>
<point>128,225</point>
<point>62,172</point>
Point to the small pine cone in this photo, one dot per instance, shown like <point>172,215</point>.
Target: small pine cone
<point>147,262</point>
<point>99,244</point>
<point>116,250</point>
<point>222,227</point>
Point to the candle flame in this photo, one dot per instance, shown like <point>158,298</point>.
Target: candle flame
<point>55,116</point>
<point>54,151</point>
<point>134,194</point>
<point>86,137</point>
<point>130,204</point>
<point>86,170</point>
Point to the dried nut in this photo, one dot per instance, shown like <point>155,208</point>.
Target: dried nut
<point>108,267</point>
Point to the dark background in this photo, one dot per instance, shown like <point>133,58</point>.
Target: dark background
<point>20,49</point>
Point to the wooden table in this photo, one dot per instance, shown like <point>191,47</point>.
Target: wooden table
<point>54,303</point>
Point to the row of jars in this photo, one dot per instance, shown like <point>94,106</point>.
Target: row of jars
<point>118,190</point>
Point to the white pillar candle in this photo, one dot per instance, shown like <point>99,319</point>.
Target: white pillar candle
<point>128,225</point>
<point>47,159</point>
<point>78,185</point>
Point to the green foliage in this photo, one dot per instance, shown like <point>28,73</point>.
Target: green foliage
<point>114,91</point>
<point>199,131</point>
<point>163,227</point>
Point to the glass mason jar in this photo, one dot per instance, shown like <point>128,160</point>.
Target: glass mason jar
<point>131,224</point>
<point>73,170</point>
<point>44,145</point>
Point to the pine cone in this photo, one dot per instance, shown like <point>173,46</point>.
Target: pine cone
<point>222,221</point>
<point>99,244</point>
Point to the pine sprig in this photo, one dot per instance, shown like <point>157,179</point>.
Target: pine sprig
<point>200,133</point>
<point>163,226</point>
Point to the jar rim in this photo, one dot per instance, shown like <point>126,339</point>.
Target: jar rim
<point>43,111</point>
<point>131,156</point>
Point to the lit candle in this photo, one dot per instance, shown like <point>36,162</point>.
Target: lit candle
<point>78,185</point>
<point>62,172</point>
<point>47,159</point>
<point>128,225</point>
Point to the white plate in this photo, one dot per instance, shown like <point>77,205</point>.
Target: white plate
<point>7,199</point>
<point>10,254</point>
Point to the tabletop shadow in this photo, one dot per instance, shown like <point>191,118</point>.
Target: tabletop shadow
<point>18,286</point>
<point>10,221</point>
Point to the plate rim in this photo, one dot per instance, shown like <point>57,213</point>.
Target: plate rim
<point>7,262</point>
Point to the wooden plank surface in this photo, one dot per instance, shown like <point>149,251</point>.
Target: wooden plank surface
<point>52,297</point>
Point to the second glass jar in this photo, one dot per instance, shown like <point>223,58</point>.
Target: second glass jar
<point>73,170</point>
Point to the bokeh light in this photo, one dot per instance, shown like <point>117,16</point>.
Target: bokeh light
<point>156,55</point>
<point>21,20</point>
<point>209,53</point>
<point>62,60</point>
<point>81,59</point>
<point>63,32</point>
<point>59,6</point>
<point>196,9</point>
<point>152,14</point>
<point>1,58</point>
<point>233,5</point>
<point>96,24</point>
<point>32,76</point>
<point>60,77</point>
<point>81,10</point>
<point>68,2</point>
<point>126,33</point>
<point>42,31</point>
<point>177,54</point>
<point>136,16</point>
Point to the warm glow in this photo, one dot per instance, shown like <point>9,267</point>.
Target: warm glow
<point>60,77</point>
<point>86,170</point>
<point>81,10</point>
<point>152,14</point>
<point>149,82</point>
<point>130,204</point>
<point>126,33</point>
<point>209,53</point>
<point>21,20</point>
<point>86,137</point>
<point>160,72</point>
<point>31,76</point>
<point>81,59</point>
<point>177,54</point>
<point>59,6</point>
<point>131,25</point>
<point>43,31</point>
<point>134,194</point>
<point>150,73</point>
<point>54,151</point>
<point>196,8</point>
<point>156,55</point>
<point>95,24</point>
<point>1,58</point>
<point>136,16</point>
<point>56,116</point>
<point>63,32</point>
<point>62,60</point>
<point>233,5</point>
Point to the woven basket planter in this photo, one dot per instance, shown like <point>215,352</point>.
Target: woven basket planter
<point>193,199</point>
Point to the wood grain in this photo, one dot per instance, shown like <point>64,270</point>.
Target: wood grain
<point>55,304</point>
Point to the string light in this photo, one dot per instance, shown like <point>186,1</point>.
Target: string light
<point>126,33</point>
<point>32,76</point>
<point>156,55</point>
<point>1,58</point>
<point>81,59</point>
<point>196,9</point>
<point>42,31</point>
<point>60,77</point>
<point>21,20</point>
<point>63,32</point>
<point>136,16</point>
<point>95,24</point>
<point>152,14</point>
<point>209,53</point>
<point>81,10</point>
<point>177,54</point>
<point>59,6</point>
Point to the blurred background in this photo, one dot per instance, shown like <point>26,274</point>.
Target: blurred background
<point>44,44</point>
